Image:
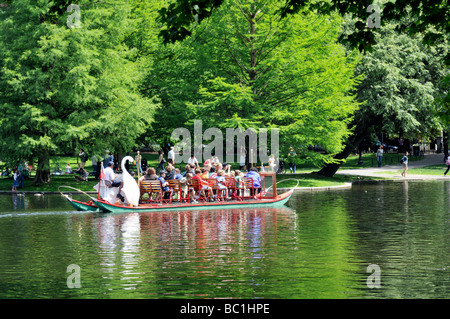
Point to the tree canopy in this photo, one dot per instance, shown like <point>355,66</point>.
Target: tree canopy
<point>65,88</point>
<point>119,74</point>
<point>180,16</point>
<point>250,68</point>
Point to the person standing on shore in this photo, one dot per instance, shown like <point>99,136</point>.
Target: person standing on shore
<point>16,180</point>
<point>161,161</point>
<point>171,156</point>
<point>380,156</point>
<point>138,160</point>
<point>447,162</point>
<point>292,160</point>
<point>83,158</point>
<point>405,164</point>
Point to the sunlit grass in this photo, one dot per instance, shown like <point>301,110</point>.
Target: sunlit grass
<point>435,170</point>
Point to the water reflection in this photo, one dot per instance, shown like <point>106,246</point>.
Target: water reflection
<point>157,252</point>
<point>320,247</point>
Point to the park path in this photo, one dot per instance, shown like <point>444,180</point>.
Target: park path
<point>429,159</point>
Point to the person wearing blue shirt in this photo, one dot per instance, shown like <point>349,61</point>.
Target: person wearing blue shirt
<point>254,175</point>
<point>164,184</point>
<point>178,174</point>
<point>405,164</point>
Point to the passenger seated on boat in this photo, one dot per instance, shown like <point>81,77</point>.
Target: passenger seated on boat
<point>231,184</point>
<point>164,185</point>
<point>203,185</point>
<point>110,180</point>
<point>213,172</point>
<point>170,173</point>
<point>150,175</point>
<point>208,169</point>
<point>240,186</point>
<point>254,175</point>
<point>204,174</point>
<point>225,168</point>
<point>178,174</point>
<point>220,178</point>
<point>187,169</point>
<point>185,189</point>
<point>218,166</point>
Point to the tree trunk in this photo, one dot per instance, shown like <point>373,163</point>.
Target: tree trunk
<point>330,169</point>
<point>43,170</point>
<point>445,142</point>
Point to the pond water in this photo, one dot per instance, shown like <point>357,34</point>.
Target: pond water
<point>319,246</point>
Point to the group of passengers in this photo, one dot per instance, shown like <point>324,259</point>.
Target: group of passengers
<point>212,169</point>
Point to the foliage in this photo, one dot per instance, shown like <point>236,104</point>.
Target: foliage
<point>181,16</point>
<point>402,78</point>
<point>401,83</point>
<point>65,88</point>
<point>249,68</point>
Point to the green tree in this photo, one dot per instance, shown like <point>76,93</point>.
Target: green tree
<point>247,67</point>
<point>65,87</point>
<point>179,17</point>
<point>401,81</point>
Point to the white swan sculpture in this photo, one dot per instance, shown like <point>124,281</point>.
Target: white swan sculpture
<point>130,188</point>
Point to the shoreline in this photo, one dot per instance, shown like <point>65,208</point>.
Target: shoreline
<point>346,185</point>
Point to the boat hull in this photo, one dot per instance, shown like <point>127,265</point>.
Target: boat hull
<point>113,208</point>
<point>82,206</point>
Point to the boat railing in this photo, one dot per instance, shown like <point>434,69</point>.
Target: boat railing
<point>152,191</point>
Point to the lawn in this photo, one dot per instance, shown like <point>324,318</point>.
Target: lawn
<point>436,170</point>
<point>370,160</point>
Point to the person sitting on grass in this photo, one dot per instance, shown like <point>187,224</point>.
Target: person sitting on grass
<point>83,174</point>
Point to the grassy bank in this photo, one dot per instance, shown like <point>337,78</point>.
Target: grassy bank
<point>435,170</point>
<point>303,173</point>
<point>370,160</point>
<point>306,180</point>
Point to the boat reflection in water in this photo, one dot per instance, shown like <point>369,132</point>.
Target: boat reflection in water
<point>159,252</point>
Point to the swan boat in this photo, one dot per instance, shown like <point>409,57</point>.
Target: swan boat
<point>107,203</point>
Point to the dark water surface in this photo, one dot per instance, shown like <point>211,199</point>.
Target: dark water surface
<point>318,247</point>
